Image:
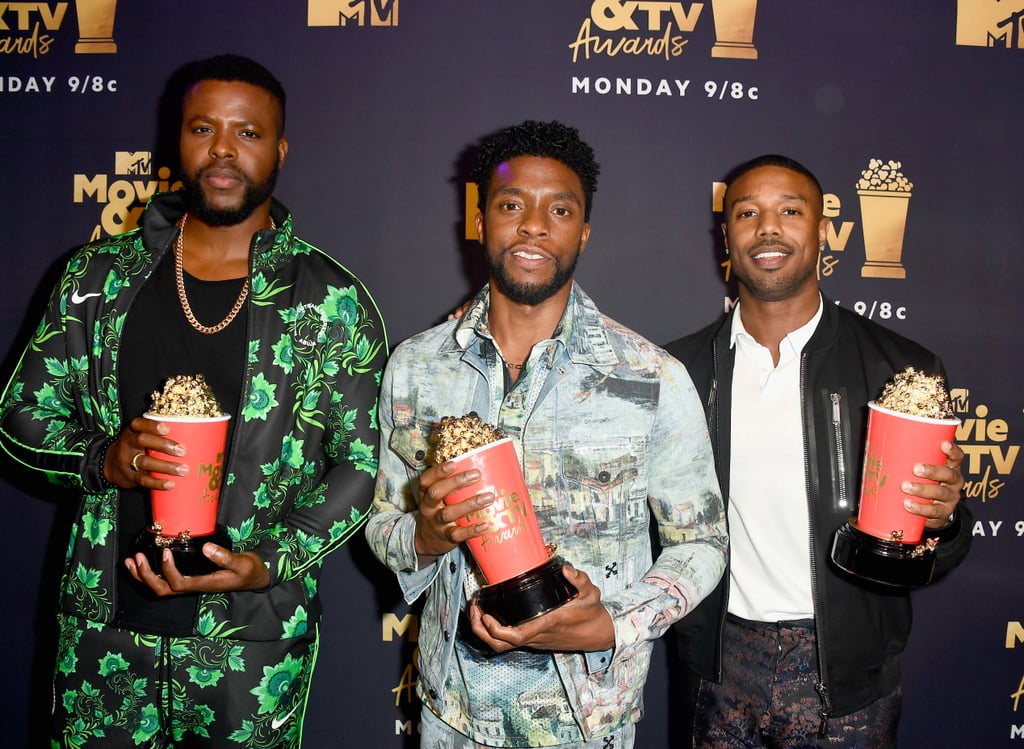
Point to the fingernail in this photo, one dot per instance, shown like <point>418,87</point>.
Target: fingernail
<point>484,499</point>
<point>167,555</point>
<point>908,504</point>
<point>182,469</point>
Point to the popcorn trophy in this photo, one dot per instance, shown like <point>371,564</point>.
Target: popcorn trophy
<point>524,577</point>
<point>906,425</point>
<point>185,517</point>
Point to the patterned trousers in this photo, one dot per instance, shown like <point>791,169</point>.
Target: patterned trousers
<point>117,688</point>
<point>436,734</point>
<point>768,696</point>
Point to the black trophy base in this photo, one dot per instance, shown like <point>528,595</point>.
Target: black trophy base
<point>881,560</point>
<point>187,550</point>
<point>527,595</point>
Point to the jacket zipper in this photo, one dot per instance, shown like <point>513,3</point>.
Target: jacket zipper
<point>821,687</point>
<point>837,433</point>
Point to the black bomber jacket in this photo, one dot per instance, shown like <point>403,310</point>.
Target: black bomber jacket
<point>861,628</point>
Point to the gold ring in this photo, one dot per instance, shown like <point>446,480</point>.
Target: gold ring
<point>134,459</point>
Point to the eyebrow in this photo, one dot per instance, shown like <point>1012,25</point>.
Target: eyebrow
<point>510,190</point>
<point>234,123</point>
<point>750,197</point>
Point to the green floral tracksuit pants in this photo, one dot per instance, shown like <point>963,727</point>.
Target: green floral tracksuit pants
<point>118,688</point>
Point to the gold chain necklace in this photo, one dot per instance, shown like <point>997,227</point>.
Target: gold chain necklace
<point>179,253</point>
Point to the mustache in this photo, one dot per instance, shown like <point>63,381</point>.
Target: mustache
<point>226,166</point>
<point>767,243</point>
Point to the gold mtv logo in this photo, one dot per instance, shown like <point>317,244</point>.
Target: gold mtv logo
<point>961,398</point>
<point>352,13</point>
<point>137,163</point>
<point>990,23</point>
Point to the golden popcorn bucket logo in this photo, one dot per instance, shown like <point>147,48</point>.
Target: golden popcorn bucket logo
<point>884,201</point>
<point>95,27</point>
<point>734,29</point>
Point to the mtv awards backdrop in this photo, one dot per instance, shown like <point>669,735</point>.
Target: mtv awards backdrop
<point>906,111</point>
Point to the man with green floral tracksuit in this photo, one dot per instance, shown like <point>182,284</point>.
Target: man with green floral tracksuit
<point>213,281</point>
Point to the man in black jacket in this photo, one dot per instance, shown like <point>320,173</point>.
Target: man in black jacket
<point>789,650</point>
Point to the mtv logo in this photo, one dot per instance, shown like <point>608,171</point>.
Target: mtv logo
<point>990,23</point>
<point>961,398</point>
<point>352,12</point>
<point>136,163</point>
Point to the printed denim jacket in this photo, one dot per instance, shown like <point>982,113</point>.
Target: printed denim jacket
<point>610,432</point>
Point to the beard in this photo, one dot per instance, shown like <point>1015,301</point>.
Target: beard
<point>531,294</point>
<point>256,193</point>
<point>775,287</point>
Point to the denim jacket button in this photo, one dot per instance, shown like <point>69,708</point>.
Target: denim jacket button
<point>604,477</point>
<point>420,455</point>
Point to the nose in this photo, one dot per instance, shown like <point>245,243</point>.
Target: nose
<point>534,221</point>
<point>221,147</point>
<point>768,224</point>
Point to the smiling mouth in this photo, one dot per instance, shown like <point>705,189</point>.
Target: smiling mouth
<point>770,254</point>
<point>528,255</point>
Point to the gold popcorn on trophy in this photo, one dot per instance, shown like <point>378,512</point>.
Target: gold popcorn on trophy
<point>884,201</point>
<point>524,577</point>
<point>906,426</point>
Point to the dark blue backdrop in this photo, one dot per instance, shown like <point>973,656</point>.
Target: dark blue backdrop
<point>385,98</point>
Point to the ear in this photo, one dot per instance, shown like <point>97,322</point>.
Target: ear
<point>584,237</point>
<point>725,236</point>
<point>479,221</point>
<point>282,151</point>
<point>823,231</point>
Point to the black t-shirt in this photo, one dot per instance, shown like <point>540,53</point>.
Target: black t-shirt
<point>157,343</point>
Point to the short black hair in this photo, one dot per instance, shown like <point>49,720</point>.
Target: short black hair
<point>234,68</point>
<point>773,159</point>
<point>551,140</point>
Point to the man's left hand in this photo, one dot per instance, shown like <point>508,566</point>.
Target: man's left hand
<point>582,624</point>
<point>945,494</point>
<point>244,571</point>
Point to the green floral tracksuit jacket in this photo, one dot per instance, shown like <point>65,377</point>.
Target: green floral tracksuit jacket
<point>301,469</point>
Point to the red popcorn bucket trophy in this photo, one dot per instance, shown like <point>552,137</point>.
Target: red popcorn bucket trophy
<point>185,517</point>
<point>883,543</point>
<point>524,577</point>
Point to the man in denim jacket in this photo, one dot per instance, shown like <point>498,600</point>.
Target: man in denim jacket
<point>609,432</point>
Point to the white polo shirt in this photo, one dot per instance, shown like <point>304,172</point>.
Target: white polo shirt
<point>769,527</point>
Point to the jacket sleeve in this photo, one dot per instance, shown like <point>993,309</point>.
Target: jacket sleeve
<point>328,511</point>
<point>686,502</point>
<point>954,542</point>
<point>49,419</point>
<point>392,525</point>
